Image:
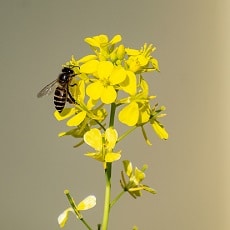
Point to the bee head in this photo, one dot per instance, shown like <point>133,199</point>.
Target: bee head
<point>67,70</point>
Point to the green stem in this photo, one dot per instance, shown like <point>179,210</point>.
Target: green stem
<point>126,133</point>
<point>78,214</point>
<point>112,114</point>
<point>100,125</point>
<point>108,172</point>
<point>117,198</point>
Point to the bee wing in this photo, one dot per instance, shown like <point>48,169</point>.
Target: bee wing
<point>47,89</point>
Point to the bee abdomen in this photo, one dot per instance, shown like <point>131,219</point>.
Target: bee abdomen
<point>60,98</point>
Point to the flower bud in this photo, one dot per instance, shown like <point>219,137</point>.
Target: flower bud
<point>121,52</point>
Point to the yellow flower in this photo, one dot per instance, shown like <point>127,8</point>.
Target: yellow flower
<point>156,125</point>
<point>87,203</point>
<point>103,87</point>
<point>138,109</point>
<point>102,41</point>
<point>141,60</point>
<point>103,144</point>
<point>102,46</point>
<point>136,176</point>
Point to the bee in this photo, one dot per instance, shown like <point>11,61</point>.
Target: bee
<point>61,93</point>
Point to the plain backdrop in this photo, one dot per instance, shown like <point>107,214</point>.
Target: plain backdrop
<point>190,171</point>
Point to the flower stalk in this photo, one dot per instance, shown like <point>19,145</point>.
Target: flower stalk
<point>108,172</point>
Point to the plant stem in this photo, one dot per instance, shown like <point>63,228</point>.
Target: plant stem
<point>112,114</point>
<point>116,198</point>
<point>108,172</point>
<point>126,133</point>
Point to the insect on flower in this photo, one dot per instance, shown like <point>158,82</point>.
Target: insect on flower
<point>62,93</point>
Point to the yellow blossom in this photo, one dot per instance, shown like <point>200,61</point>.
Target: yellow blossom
<point>103,86</point>
<point>88,203</point>
<point>141,60</point>
<point>103,144</point>
<point>136,176</point>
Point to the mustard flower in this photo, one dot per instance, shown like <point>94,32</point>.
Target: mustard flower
<point>136,176</point>
<point>102,46</point>
<point>141,60</point>
<point>156,125</point>
<point>103,144</point>
<point>88,203</point>
<point>137,110</point>
<point>107,77</point>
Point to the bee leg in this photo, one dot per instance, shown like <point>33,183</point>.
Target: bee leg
<point>70,99</point>
<point>73,84</point>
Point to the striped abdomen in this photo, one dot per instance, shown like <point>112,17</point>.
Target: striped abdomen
<point>60,97</point>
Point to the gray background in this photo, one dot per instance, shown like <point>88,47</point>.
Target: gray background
<point>190,171</point>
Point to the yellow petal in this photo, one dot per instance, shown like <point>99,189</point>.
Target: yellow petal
<point>66,112</point>
<point>100,39</point>
<point>110,157</point>
<point>115,39</point>
<point>160,130</point>
<point>77,119</point>
<point>104,69</point>
<point>132,52</point>
<point>129,115</point>
<point>92,42</point>
<point>130,83</point>
<point>63,217</point>
<point>108,95</point>
<point>117,76</point>
<point>148,189</point>
<point>81,87</point>
<point>111,137</point>
<point>90,67</point>
<point>145,88</point>
<point>142,60</point>
<point>94,90</point>
<point>87,58</point>
<point>154,63</point>
<point>144,114</point>
<point>87,203</point>
<point>120,52</point>
<point>128,167</point>
<point>96,156</point>
<point>94,139</point>
<point>139,175</point>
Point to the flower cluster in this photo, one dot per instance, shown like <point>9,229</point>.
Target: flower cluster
<point>112,75</point>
